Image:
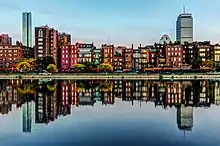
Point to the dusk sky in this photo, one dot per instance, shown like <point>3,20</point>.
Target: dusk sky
<point>120,22</point>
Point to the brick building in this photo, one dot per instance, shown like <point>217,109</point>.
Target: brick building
<point>5,39</point>
<point>160,53</point>
<point>107,54</point>
<point>9,55</point>
<point>127,54</point>
<point>64,39</point>
<point>175,55</point>
<point>46,42</point>
<point>68,57</point>
<point>118,59</point>
<point>199,50</point>
<point>144,56</point>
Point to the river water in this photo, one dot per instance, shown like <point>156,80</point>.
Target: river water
<point>109,113</point>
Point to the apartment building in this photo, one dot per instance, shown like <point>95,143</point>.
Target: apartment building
<point>9,55</point>
<point>85,52</point>
<point>68,57</point>
<point>175,55</point>
<point>46,42</point>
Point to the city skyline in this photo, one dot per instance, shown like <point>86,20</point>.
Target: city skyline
<point>107,22</point>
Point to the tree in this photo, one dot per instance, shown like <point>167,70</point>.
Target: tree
<point>23,66</point>
<point>79,67</point>
<point>52,68</point>
<point>105,67</point>
<point>26,65</point>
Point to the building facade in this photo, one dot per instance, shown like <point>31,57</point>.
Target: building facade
<point>184,28</point>
<point>64,39</point>
<point>216,49</point>
<point>68,57</point>
<point>175,55</point>
<point>85,52</point>
<point>46,43</point>
<point>127,54</point>
<point>27,29</point>
<point>9,55</point>
<point>5,39</point>
<point>107,54</point>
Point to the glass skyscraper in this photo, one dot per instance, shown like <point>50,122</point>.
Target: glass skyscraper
<point>27,29</point>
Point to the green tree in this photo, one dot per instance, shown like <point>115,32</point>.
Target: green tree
<point>105,67</point>
<point>52,68</point>
<point>79,67</point>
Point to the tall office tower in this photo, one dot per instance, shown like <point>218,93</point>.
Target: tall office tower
<point>27,29</point>
<point>184,27</point>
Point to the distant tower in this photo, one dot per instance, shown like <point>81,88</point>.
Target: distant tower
<point>27,29</point>
<point>184,27</point>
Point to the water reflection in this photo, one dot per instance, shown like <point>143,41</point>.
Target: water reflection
<point>54,98</point>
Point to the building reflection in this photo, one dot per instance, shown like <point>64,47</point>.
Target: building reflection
<point>55,98</point>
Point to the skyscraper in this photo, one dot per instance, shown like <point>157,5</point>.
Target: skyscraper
<point>27,29</point>
<point>184,27</point>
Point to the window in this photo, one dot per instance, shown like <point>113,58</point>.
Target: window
<point>40,39</point>
<point>40,33</point>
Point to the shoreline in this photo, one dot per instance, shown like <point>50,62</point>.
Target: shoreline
<point>114,76</point>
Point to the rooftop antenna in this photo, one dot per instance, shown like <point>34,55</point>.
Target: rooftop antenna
<point>184,9</point>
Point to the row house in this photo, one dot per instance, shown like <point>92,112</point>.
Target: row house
<point>85,52</point>
<point>68,56</point>
<point>136,60</point>
<point>118,61</point>
<point>97,56</point>
<point>216,51</point>
<point>196,50</point>
<point>127,58</point>
<point>107,53</point>
<point>160,58</point>
<point>144,56</point>
<point>175,55</point>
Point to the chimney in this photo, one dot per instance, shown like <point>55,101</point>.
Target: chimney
<point>132,46</point>
<point>140,45</point>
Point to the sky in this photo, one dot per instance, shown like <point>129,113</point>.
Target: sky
<point>119,22</point>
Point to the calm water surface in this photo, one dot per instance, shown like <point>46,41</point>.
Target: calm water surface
<point>109,113</point>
